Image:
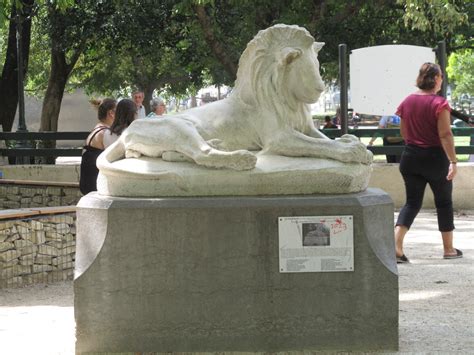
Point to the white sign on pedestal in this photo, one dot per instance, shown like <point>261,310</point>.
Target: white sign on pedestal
<point>382,76</point>
<point>316,243</point>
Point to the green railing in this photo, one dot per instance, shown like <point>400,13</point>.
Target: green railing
<point>35,137</point>
<point>394,132</point>
<point>22,144</point>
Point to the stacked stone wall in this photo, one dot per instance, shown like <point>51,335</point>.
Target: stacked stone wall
<point>14,195</point>
<point>38,249</point>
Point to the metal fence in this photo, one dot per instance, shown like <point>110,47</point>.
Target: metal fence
<point>394,132</point>
<point>35,138</point>
<point>31,144</point>
<point>37,246</point>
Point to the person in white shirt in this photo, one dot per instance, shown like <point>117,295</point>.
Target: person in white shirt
<point>138,97</point>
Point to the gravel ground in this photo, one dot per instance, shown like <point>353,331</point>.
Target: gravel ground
<point>436,301</point>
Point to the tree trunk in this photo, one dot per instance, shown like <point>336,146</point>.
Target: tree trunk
<point>53,97</point>
<point>54,92</point>
<point>193,101</point>
<point>218,49</point>
<point>59,74</point>
<point>9,78</point>
<point>148,91</point>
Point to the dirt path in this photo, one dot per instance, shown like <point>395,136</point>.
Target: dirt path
<point>436,301</point>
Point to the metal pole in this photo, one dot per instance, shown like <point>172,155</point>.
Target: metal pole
<point>441,54</point>
<point>343,87</point>
<point>21,97</point>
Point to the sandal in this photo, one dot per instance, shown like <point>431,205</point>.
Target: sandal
<point>453,256</point>
<point>402,259</point>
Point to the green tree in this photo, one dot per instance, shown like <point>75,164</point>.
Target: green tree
<point>149,48</point>
<point>14,12</point>
<point>71,32</point>
<point>461,71</point>
<point>438,16</point>
<point>110,46</point>
<point>9,77</point>
<point>227,26</point>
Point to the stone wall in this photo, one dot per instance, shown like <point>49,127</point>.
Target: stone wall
<point>37,249</point>
<point>14,195</point>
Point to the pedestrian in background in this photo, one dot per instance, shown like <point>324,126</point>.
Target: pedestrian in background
<point>158,108</point>
<point>138,97</point>
<point>125,113</point>
<point>389,122</point>
<point>328,123</point>
<point>95,145</point>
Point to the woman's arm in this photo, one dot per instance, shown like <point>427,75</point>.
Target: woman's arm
<point>447,141</point>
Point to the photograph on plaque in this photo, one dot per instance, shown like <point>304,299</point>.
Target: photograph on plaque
<point>316,234</point>
<point>316,243</point>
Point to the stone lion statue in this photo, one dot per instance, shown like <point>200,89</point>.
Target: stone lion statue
<point>268,111</point>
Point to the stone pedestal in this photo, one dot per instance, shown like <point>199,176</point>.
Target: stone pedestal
<point>202,274</point>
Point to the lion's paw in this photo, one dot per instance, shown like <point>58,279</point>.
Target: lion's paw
<point>237,160</point>
<point>173,156</point>
<point>130,153</point>
<point>242,160</point>
<point>356,152</point>
<point>348,138</point>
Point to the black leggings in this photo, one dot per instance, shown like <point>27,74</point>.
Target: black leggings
<point>421,166</point>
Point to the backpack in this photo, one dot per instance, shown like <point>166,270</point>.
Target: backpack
<point>89,170</point>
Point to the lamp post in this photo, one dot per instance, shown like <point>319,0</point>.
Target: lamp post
<point>441,54</point>
<point>344,99</point>
<point>21,95</point>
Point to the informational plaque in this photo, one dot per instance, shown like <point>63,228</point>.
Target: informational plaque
<point>316,243</point>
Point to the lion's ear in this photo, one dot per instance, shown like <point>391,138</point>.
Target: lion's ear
<point>318,45</point>
<point>289,54</point>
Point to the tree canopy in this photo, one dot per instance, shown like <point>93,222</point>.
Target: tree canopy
<point>111,47</point>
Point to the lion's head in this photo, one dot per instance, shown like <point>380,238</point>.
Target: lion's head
<point>279,70</point>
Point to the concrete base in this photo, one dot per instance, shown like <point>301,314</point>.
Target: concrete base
<point>202,274</point>
<point>273,175</point>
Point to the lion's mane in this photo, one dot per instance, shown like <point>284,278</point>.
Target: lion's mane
<point>260,77</point>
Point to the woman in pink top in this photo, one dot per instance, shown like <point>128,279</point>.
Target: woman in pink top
<point>429,158</point>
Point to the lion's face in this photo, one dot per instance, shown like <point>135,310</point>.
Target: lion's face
<point>304,78</point>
